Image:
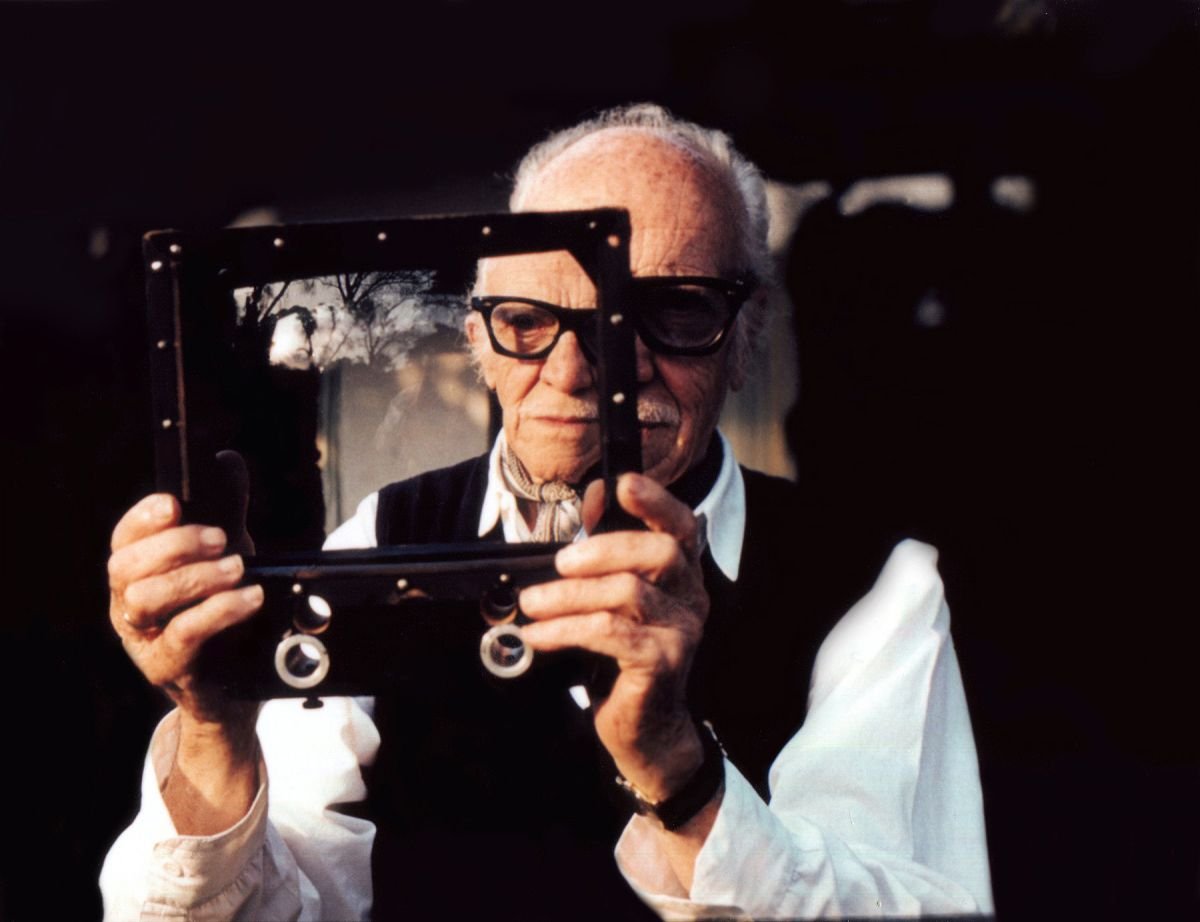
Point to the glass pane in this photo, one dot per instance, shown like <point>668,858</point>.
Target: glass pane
<point>373,367</point>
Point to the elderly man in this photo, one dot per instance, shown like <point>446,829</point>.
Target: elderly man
<point>714,613</point>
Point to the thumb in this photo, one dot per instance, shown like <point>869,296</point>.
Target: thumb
<point>593,505</point>
<point>600,514</point>
<point>235,482</point>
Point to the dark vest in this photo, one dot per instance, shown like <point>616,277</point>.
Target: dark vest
<point>494,798</point>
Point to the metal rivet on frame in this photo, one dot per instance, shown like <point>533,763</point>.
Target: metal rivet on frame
<point>618,398</point>
<point>156,266</point>
<point>278,243</point>
<point>487,231</point>
<point>616,319</point>
<point>167,424</point>
<point>297,589</point>
<point>505,578</point>
<point>401,584</point>
<point>614,241</point>
<point>381,236</point>
<point>175,249</point>
<point>162,344</point>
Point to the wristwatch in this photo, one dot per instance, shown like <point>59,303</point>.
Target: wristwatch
<point>678,809</point>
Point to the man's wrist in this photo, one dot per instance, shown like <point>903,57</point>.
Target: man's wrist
<point>213,776</point>
<point>235,731</point>
<point>687,799</point>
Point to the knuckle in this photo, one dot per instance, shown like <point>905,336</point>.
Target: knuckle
<point>184,637</point>
<point>621,629</point>
<point>646,648</point>
<point>629,586</point>
<point>612,624</point>
<point>135,599</point>
<point>193,582</point>
<point>643,596</point>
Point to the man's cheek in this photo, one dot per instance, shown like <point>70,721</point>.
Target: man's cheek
<point>658,445</point>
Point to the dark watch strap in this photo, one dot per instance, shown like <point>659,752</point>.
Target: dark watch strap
<point>690,799</point>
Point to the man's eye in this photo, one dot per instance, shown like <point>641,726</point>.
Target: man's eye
<point>523,327</point>
<point>686,316</point>
<point>525,322</point>
<point>524,319</point>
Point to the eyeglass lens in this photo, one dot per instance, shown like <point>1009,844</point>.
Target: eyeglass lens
<point>683,316</point>
<point>523,328</point>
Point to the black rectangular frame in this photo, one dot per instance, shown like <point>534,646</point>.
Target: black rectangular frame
<point>438,592</point>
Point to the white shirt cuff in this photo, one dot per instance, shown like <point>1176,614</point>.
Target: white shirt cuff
<point>650,874</point>
<point>192,870</point>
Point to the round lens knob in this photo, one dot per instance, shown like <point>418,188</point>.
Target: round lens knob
<point>499,604</point>
<point>301,661</point>
<point>504,652</point>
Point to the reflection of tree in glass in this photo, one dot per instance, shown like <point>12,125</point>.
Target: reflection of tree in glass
<point>371,318</point>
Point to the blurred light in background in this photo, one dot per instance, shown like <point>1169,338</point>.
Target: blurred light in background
<point>924,191</point>
<point>1015,192</point>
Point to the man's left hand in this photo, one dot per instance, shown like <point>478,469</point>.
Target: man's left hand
<point>639,598</point>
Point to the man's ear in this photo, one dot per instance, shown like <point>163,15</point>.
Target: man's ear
<point>481,348</point>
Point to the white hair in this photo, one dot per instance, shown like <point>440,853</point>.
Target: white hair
<point>743,177</point>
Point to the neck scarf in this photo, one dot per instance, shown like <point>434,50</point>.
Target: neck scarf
<point>559,507</point>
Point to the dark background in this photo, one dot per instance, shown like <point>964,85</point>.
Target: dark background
<point>1040,436</point>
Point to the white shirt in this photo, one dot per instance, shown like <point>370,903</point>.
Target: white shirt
<point>875,804</point>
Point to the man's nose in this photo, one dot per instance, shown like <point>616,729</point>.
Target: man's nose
<point>566,368</point>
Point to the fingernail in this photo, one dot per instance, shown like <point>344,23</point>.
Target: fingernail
<point>212,537</point>
<point>231,564</point>
<point>252,595</point>
<point>160,508</point>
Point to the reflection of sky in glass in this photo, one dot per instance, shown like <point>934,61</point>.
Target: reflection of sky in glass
<point>370,318</point>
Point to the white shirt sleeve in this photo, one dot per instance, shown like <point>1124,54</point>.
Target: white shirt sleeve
<point>876,807</point>
<point>293,856</point>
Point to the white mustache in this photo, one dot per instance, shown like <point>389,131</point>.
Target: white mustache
<point>650,411</point>
<point>659,412</point>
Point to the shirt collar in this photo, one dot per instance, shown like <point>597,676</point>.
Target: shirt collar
<point>722,511</point>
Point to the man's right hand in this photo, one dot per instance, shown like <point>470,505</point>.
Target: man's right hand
<point>172,587</point>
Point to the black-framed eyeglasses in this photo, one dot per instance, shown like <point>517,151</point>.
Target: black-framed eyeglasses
<point>674,315</point>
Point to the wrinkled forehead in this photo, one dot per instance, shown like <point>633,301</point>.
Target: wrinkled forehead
<point>554,277</point>
<point>685,217</point>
